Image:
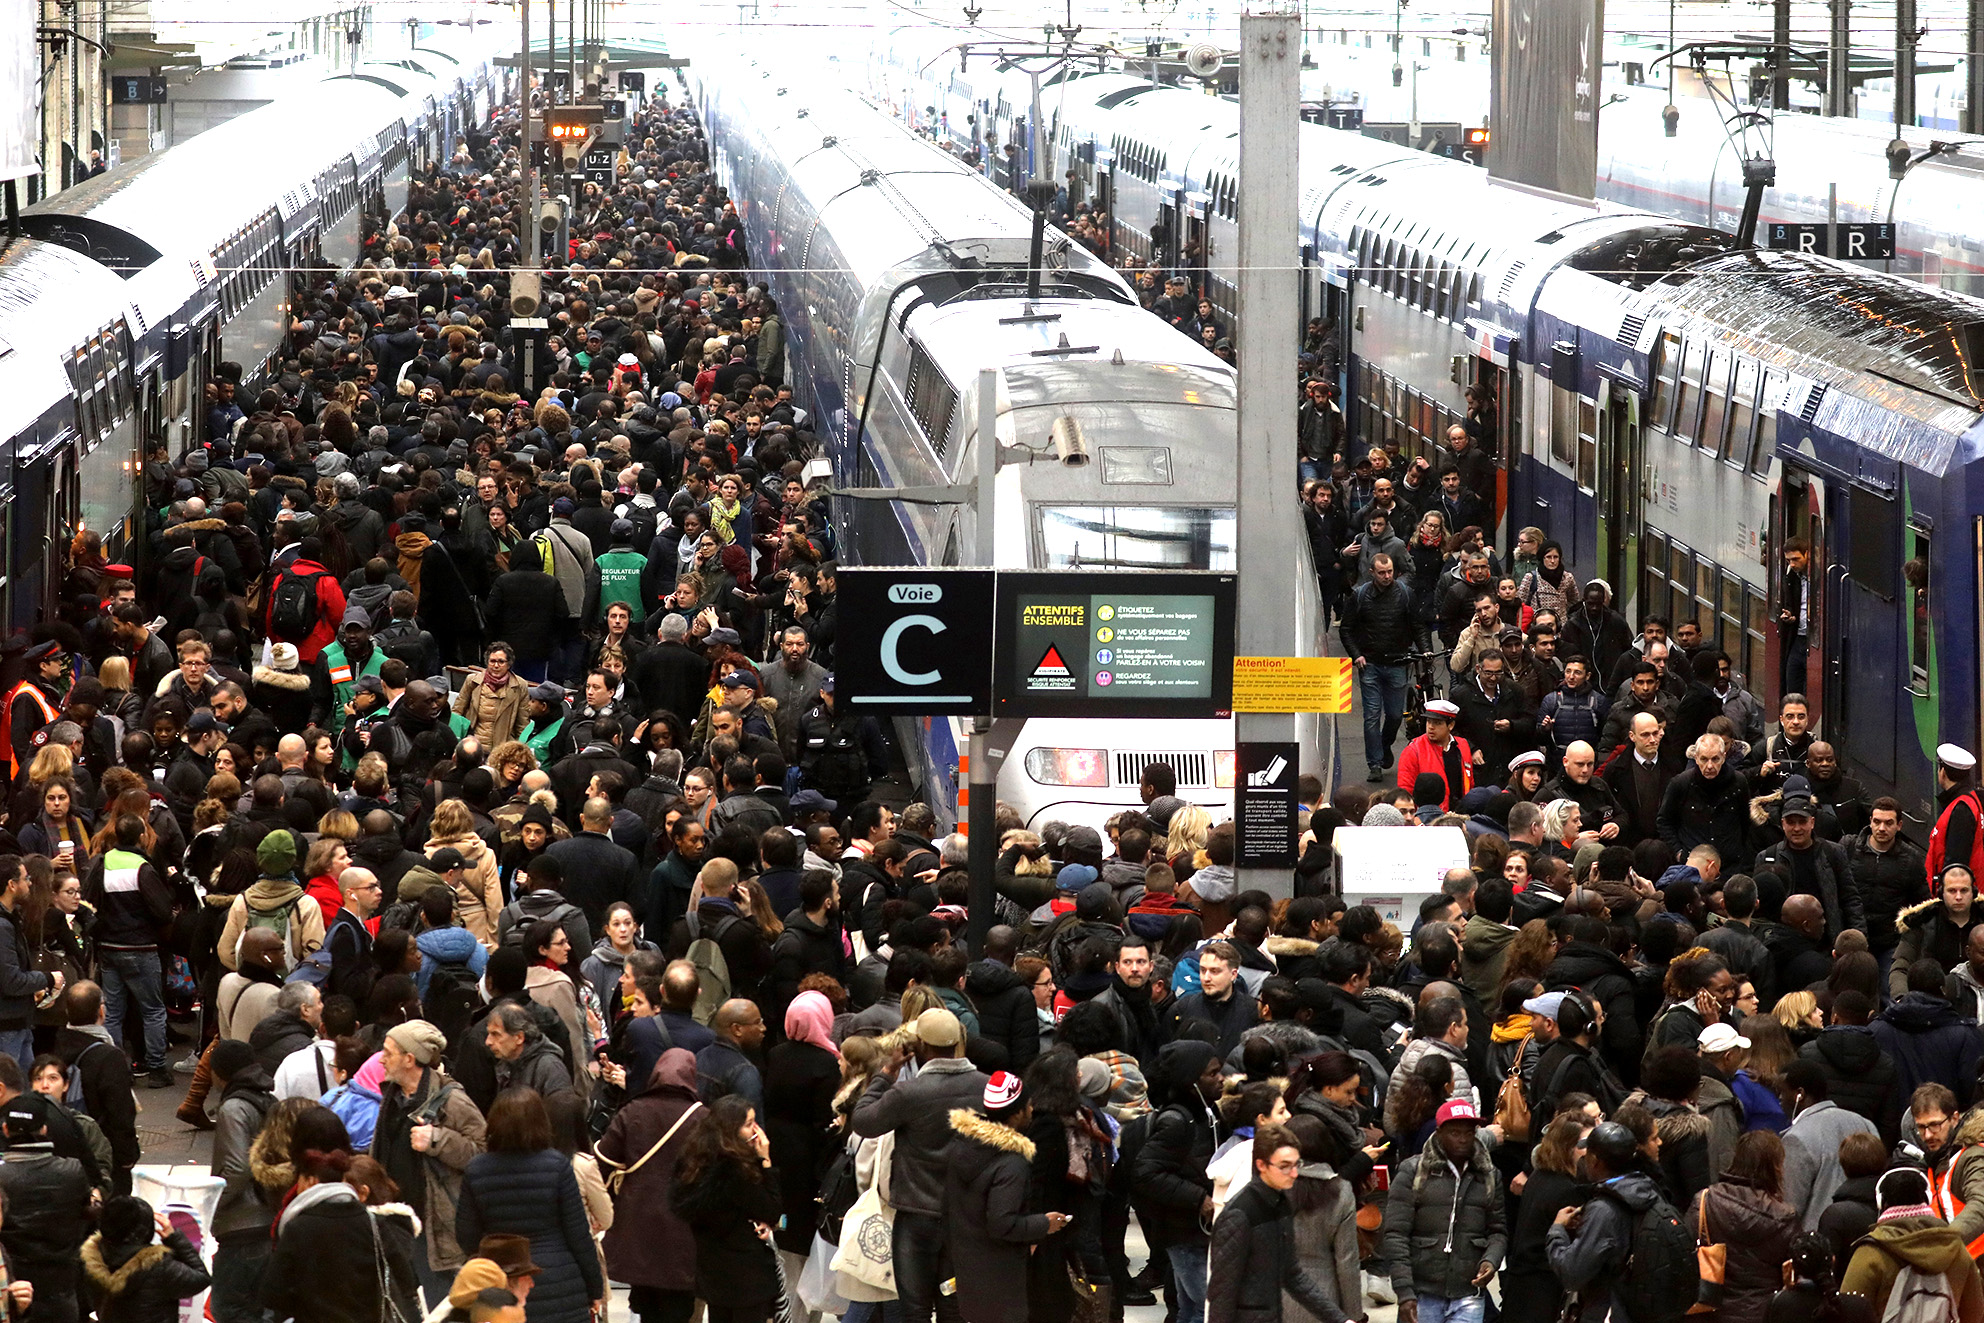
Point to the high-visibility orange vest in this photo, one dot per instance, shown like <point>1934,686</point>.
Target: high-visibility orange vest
<point>1943,1198</point>
<point>49,714</point>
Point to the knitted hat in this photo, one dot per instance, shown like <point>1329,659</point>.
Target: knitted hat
<point>475,1276</point>
<point>283,657</point>
<point>277,853</point>
<point>1002,1090</point>
<point>419,1040</point>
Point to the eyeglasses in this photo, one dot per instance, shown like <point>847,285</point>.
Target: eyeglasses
<point>1285,1166</point>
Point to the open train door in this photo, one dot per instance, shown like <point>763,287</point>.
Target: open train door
<point>1801,510</point>
<point>1619,504</point>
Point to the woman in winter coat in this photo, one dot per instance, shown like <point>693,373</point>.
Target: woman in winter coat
<point>1325,1209</point>
<point>550,985</point>
<point>609,956</point>
<point>1550,587</point>
<point>1529,1288</point>
<point>985,1194</point>
<point>281,689</point>
<point>59,822</point>
<point>728,1192</point>
<point>1069,1172</point>
<point>524,1185</point>
<point>334,1258</point>
<point>802,1075</point>
<point>1745,1210</point>
<point>648,1246</point>
<point>1669,1081</point>
<point>479,896</point>
<point>134,1278</point>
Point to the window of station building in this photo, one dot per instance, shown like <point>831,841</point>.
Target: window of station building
<point>1915,574</point>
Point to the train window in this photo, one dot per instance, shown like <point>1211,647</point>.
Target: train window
<point>1686,391</point>
<point>1742,413</point>
<point>1705,596</point>
<point>1754,653</point>
<point>1587,444</point>
<point>1715,402</point>
<point>1916,573</point>
<point>1563,425</point>
<point>1765,443</point>
<point>1653,565</point>
<point>1729,632</point>
<point>1875,524</point>
<point>1680,582</point>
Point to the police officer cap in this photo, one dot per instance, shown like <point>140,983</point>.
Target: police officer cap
<point>1955,758</point>
<point>1612,1142</point>
<point>41,652</point>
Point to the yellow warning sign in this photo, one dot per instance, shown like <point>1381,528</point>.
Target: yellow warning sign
<point>1291,684</point>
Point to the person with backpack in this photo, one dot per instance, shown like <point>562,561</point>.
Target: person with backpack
<point>98,1081</point>
<point>427,1134</point>
<point>240,1224</point>
<point>544,898</point>
<point>1913,1267</point>
<point>1624,1255</point>
<point>133,906</point>
<point>275,902</point>
<point>731,954</point>
<point>451,965</point>
<point>305,604</point>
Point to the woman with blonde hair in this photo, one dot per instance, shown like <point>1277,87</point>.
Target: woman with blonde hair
<point>1798,1012</point>
<point>479,895</point>
<point>1185,837</point>
<point>338,825</point>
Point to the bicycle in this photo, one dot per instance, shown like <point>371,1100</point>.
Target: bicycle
<point>1422,688</point>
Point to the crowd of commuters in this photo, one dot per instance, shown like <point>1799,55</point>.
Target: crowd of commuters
<point>459,798</point>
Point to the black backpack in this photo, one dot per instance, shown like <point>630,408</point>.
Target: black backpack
<point>293,610</point>
<point>1661,1275</point>
<point>452,999</point>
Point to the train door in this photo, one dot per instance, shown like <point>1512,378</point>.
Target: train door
<point>1800,512</point>
<point>1505,441</point>
<point>1867,645</point>
<point>1619,462</point>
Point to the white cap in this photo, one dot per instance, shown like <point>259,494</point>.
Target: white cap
<point>1955,758</point>
<point>1531,758</point>
<point>1440,707</point>
<point>1720,1038</point>
<point>399,292</point>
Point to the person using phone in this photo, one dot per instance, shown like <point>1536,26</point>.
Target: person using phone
<point>985,1196</point>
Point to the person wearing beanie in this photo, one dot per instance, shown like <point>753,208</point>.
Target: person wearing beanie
<point>1168,1181</point>
<point>274,903</point>
<point>140,1267</point>
<point>986,1195</point>
<point>428,1132</point>
<point>281,690</point>
<point>1908,1231</point>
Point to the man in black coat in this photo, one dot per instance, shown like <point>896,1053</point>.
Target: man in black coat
<point>572,777</point>
<point>671,675</point>
<point>1595,631</point>
<point>1638,776</point>
<point>813,943</point>
<point>1006,1011</point>
<point>1816,867</point>
<point>1888,872</point>
<point>1585,962</point>
<point>1168,1184</point>
<point>524,609</point>
<point>1494,719</point>
<point>292,1026</point>
<point>1128,999</point>
<point>597,871</point>
<point>1862,1076</point>
<point>106,1077</point>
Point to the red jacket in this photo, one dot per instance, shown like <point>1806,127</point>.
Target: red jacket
<point>1420,757</point>
<point>330,608</point>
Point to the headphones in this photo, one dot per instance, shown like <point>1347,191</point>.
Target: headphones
<point>1576,997</point>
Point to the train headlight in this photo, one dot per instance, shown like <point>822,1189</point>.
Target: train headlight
<point>1069,767</point>
<point>1222,768</point>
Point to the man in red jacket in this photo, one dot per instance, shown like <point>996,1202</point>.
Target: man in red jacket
<point>309,566</point>
<point>1439,752</point>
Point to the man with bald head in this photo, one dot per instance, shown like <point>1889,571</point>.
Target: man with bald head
<point>1638,776</point>
<point>1579,783</point>
<point>725,1066</point>
<point>1797,943</point>
<point>680,984</point>
<point>598,870</point>
<point>347,940</point>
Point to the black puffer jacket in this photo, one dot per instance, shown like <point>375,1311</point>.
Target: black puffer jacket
<point>1596,971</point>
<point>1379,626</point>
<point>48,1206</point>
<point>1862,1076</point>
<point>1441,1225</point>
<point>143,1283</point>
<point>1006,1013</point>
<point>1169,1181</point>
<point>279,1034</point>
<point>535,1195</point>
<point>1254,1260</point>
<point>1889,882</point>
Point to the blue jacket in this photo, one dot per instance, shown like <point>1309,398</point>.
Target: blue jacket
<point>1580,716</point>
<point>448,946</point>
<point>358,1107</point>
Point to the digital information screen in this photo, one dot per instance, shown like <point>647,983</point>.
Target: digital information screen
<point>1126,645</point>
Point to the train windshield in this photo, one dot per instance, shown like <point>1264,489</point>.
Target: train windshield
<point>1135,537</point>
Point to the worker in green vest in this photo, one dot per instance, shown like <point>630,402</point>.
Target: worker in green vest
<point>334,679</point>
<point>548,734</point>
<point>616,577</point>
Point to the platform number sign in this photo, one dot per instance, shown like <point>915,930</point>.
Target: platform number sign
<point>137,90</point>
<point>599,164</point>
<point>1853,241</point>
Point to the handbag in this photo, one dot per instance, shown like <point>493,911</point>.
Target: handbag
<point>782,1302</point>
<point>1711,1262</point>
<point>1092,1300</point>
<point>1511,1107</point>
<point>866,1251</point>
<point>389,1308</point>
<point>619,1174</point>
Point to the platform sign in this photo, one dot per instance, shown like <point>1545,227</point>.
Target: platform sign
<point>1108,644</point>
<point>1264,803</point>
<point>1395,866</point>
<point>598,164</point>
<point>914,641</point>
<point>1799,238</point>
<point>1291,684</point>
<point>1862,242</point>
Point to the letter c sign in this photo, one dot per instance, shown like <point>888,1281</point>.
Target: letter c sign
<point>892,640</point>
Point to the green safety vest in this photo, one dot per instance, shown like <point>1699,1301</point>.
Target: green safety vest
<point>460,725</point>
<point>538,739</point>
<point>620,581</point>
<point>344,678</point>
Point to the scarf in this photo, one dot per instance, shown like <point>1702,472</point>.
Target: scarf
<point>721,516</point>
<point>1512,1030</point>
<point>810,1019</point>
<point>1554,578</point>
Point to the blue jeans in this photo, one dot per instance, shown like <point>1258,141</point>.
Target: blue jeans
<point>1189,1264</point>
<point>1432,1309</point>
<point>18,1044</point>
<point>1381,689</point>
<point>135,975</point>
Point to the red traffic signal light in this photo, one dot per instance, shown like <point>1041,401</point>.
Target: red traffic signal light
<point>1477,137</point>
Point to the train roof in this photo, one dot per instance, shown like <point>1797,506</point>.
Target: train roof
<point>51,299</point>
<point>1048,357</point>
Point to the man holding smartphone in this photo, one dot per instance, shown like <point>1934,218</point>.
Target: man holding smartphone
<point>21,984</point>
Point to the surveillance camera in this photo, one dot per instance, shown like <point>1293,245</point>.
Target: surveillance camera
<point>1070,446</point>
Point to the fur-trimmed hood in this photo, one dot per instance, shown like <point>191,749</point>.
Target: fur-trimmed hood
<point>113,1281</point>
<point>1278,946</point>
<point>1674,1121</point>
<point>976,1128</point>
<point>1761,806</point>
<point>1919,915</point>
<point>397,1210</point>
<point>295,681</point>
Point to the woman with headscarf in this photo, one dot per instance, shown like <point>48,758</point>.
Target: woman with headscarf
<point>1550,587</point>
<point>648,1246</point>
<point>802,1075</point>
